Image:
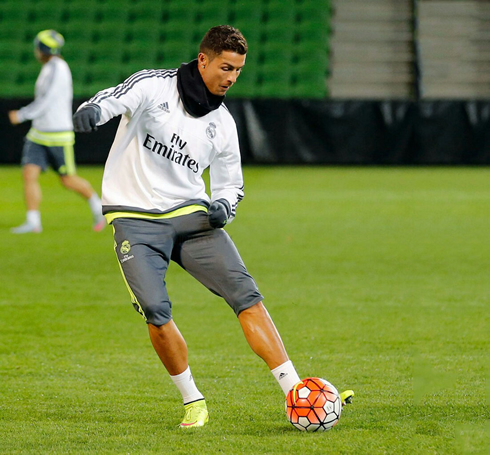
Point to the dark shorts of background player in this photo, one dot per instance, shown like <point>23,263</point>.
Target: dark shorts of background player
<point>61,159</point>
<point>144,249</point>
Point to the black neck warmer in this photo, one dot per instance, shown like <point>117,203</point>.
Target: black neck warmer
<point>198,100</point>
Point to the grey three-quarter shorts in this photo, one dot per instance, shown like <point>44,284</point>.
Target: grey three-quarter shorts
<point>145,247</point>
<point>61,158</point>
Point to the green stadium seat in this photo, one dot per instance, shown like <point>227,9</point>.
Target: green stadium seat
<point>276,33</point>
<point>310,54</point>
<point>317,10</point>
<point>11,31</point>
<point>6,75</point>
<point>80,73</point>
<point>105,73</point>
<point>141,53</point>
<point>105,51</point>
<point>142,32</point>
<point>251,10</point>
<point>183,13</point>
<point>84,10</point>
<point>310,70</point>
<point>81,91</point>
<point>307,45</point>
<point>173,32</point>
<point>247,82</point>
<point>112,12</point>
<point>313,70</point>
<point>243,89</point>
<point>276,53</point>
<point>251,31</point>
<point>31,29</point>
<point>27,74</point>
<point>149,11</point>
<point>310,88</point>
<point>213,13</point>
<point>45,13</point>
<point>24,89</point>
<point>173,54</point>
<point>76,30</point>
<point>201,28</point>
<point>109,33</point>
<point>273,89</point>
<point>275,80</point>
<point>281,11</point>
<point>76,53</point>
<point>13,13</point>
<point>275,71</point>
<point>312,32</point>
<point>11,50</point>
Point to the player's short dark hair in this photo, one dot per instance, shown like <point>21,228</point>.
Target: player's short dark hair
<point>223,38</point>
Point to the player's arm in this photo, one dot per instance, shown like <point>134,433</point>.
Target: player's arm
<point>125,99</point>
<point>226,182</point>
<point>42,101</point>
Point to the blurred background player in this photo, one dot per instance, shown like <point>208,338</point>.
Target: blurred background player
<point>51,138</point>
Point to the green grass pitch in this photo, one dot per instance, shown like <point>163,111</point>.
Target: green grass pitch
<point>377,279</point>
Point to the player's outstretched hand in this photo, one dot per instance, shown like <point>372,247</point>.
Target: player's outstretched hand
<point>85,120</point>
<point>218,213</point>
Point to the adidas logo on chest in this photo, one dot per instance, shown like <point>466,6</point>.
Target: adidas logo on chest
<point>164,107</point>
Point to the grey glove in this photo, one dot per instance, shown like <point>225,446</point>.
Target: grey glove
<point>218,213</point>
<point>85,120</point>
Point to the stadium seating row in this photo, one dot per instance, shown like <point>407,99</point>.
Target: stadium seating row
<point>107,40</point>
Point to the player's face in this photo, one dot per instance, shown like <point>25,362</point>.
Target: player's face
<point>38,54</point>
<point>220,73</point>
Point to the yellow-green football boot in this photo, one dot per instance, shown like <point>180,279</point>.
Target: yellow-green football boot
<point>196,415</point>
<point>346,397</point>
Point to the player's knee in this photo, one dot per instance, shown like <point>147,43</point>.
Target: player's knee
<point>70,181</point>
<point>66,181</point>
<point>30,173</point>
<point>158,313</point>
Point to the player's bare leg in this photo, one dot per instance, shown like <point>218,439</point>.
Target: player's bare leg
<point>32,196</point>
<point>84,189</point>
<point>32,188</point>
<point>265,341</point>
<point>171,348</point>
<point>77,184</point>
<point>262,335</point>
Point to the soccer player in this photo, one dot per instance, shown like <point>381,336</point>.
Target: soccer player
<point>51,138</point>
<point>173,126</point>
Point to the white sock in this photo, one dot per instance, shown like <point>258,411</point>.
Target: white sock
<point>34,217</point>
<point>185,383</point>
<point>95,204</point>
<point>286,376</point>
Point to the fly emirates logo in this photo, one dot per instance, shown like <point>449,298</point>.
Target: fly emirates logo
<point>172,152</point>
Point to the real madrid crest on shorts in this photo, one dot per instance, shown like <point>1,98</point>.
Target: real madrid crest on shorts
<point>125,247</point>
<point>211,131</point>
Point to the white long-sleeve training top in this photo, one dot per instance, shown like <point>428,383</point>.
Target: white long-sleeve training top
<point>159,153</point>
<point>51,110</point>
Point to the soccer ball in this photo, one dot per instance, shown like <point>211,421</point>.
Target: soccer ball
<point>313,405</point>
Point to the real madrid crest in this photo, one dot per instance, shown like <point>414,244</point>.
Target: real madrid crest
<point>125,247</point>
<point>211,131</point>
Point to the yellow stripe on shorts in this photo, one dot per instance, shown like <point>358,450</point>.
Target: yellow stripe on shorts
<point>134,300</point>
<point>59,139</point>
<point>111,216</point>
<point>69,155</point>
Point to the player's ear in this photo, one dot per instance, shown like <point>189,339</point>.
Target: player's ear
<point>202,60</point>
